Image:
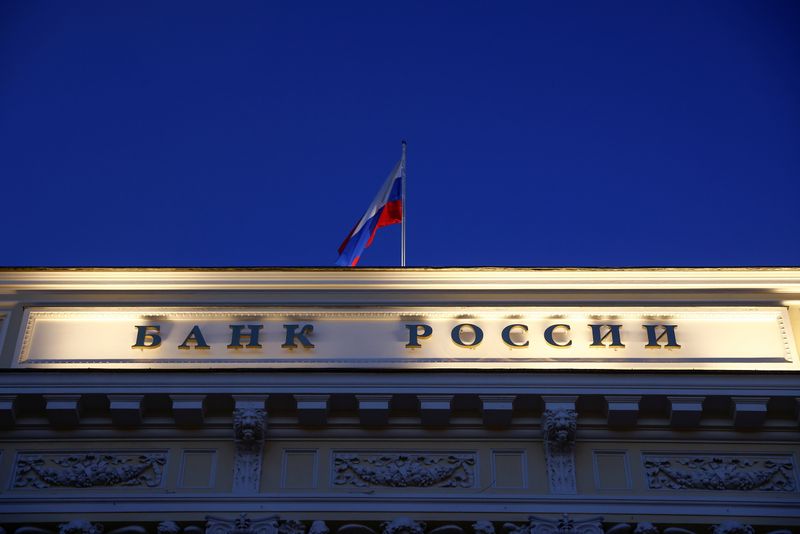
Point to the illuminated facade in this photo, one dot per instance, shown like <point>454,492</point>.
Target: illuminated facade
<point>388,401</point>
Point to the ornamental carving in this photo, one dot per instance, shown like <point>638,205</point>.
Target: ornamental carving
<point>249,424</point>
<point>645,528</point>
<point>641,528</point>
<point>168,527</point>
<point>249,429</point>
<point>564,525</point>
<point>720,473</point>
<point>402,525</point>
<point>404,470</point>
<point>732,527</point>
<point>242,525</point>
<point>558,429</point>
<point>318,527</point>
<point>291,526</point>
<point>87,470</point>
<point>80,526</point>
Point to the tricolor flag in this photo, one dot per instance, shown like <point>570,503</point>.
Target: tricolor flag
<point>386,209</point>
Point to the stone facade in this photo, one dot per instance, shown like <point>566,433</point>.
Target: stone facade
<point>119,448</point>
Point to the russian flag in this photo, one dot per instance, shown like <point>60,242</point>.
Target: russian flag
<point>386,209</point>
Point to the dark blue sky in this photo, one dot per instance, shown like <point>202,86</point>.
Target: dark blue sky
<point>540,133</point>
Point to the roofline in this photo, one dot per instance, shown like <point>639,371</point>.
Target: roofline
<point>493,268</point>
<point>767,280</point>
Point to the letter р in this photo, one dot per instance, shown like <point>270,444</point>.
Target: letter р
<point>415,332</point>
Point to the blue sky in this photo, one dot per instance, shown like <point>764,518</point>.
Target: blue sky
<point>540,133</point>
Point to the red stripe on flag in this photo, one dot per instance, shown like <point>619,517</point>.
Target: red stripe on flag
<point>392,213</point>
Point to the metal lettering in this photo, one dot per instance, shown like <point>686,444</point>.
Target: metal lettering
<point>456,335</point>
<point>653,340</point>
<point>415,332</point>
<point>548,335</point>
<point>145,333</point>
<point>506,335</point>
<point>251,335</point>
<point>196,337</point>
<point>613,330</point>
<point>292,335</point>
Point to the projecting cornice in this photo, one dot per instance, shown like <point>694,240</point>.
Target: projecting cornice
<point>768,280</point>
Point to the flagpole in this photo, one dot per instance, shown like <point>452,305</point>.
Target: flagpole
<point>403,204</point>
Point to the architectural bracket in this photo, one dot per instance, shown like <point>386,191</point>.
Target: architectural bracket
<point>249,431</point>
<point>559,421</point>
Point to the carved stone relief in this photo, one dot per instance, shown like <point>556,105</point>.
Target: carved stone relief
<point>318,527</point>
<point>399,525</point>
<point>732,527</point>
<point>709,472</point>
<point>558,428</point>
<point>92,469</point>
<point>80,526</point>
<point>402,525</point>
<point>404,469</point>
<point>564,525</point>
<point>242,525</point>
<point>483,527</point>
<point>291,526</point>
<point>168,527</point>
<point>249,428</point>
<point>727,527</point>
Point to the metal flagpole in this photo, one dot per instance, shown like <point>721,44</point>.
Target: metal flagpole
<point>403,226</point>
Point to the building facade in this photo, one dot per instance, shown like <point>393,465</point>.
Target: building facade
<point>388,401</point>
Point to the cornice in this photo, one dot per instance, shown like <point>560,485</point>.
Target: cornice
<point>767,280</point>
<point>292,382</point>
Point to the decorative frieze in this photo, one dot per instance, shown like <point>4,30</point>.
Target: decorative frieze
<point>402,525</point>
<point>732,527</point>
<point>564,525</point>
<point>168,527</point>
<point>719,472</point>
<point>87,470</point>
<point>80,526</point>
<point>241,525</point>
<point>318,527</point>
<point>404,469</point>
<point>483,527</point>
<point>399,525</point>
<point>292,526</point>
